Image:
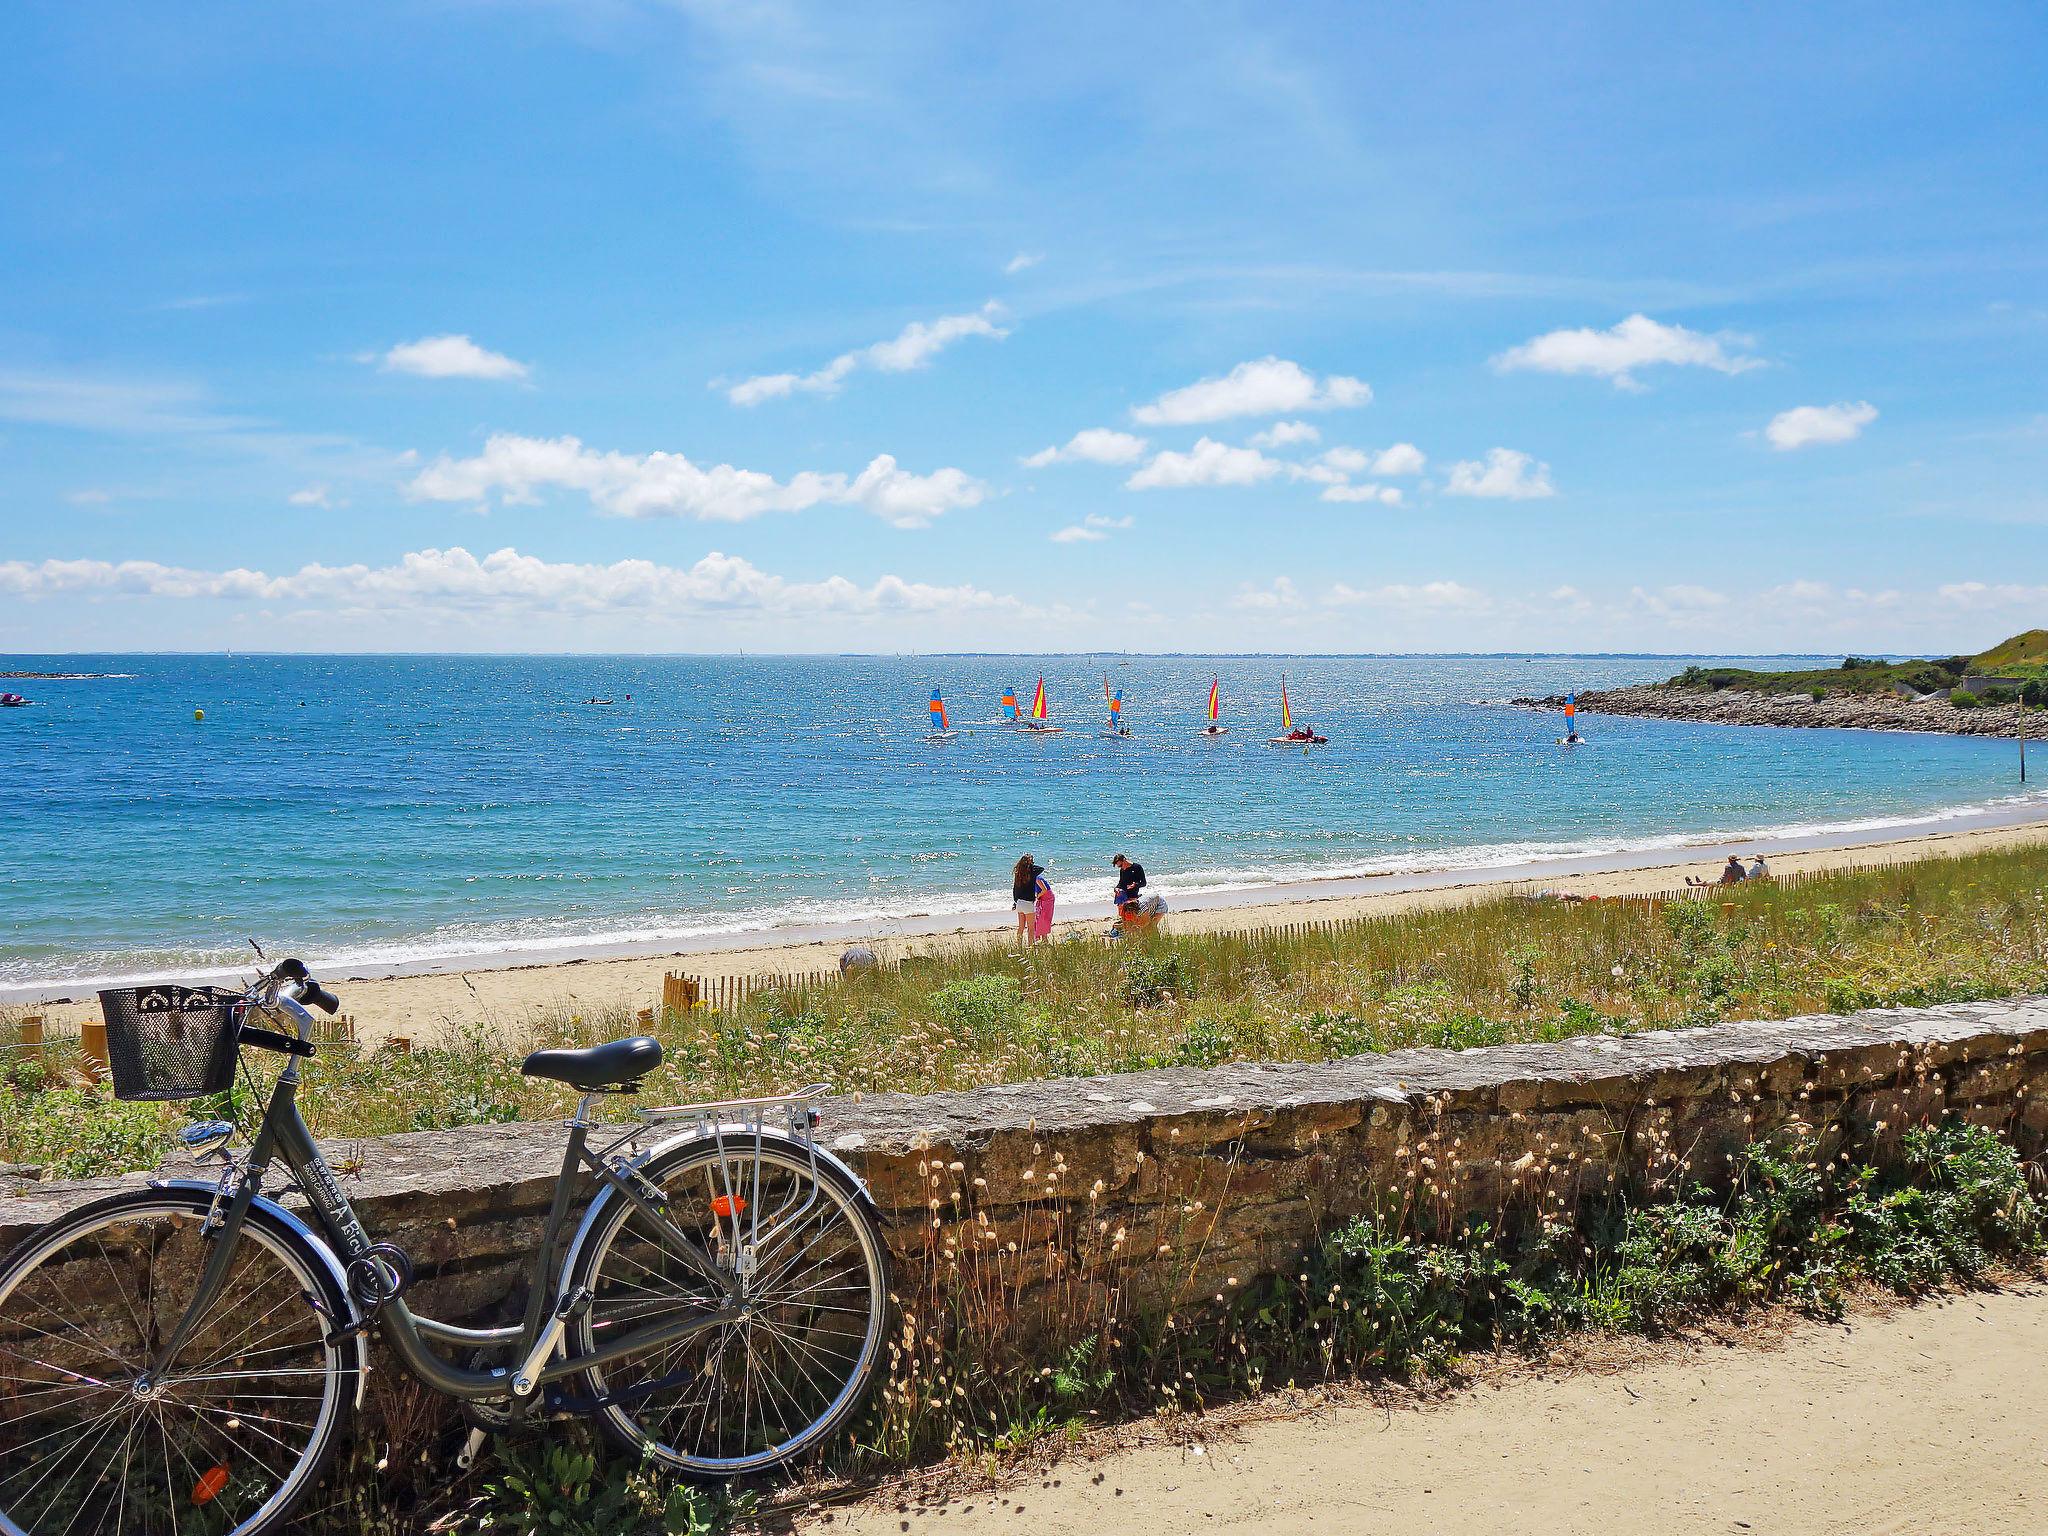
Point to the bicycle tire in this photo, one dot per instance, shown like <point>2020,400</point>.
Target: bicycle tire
<point>850,1211</point>
<point>38,1381</point>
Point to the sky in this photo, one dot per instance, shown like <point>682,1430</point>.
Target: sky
<point>696,325</point>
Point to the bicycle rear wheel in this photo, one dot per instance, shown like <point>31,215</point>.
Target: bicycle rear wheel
<point>226,1438</point>
<point>746,1395</point>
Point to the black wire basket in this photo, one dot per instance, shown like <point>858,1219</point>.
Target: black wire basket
<point>167,1042</point>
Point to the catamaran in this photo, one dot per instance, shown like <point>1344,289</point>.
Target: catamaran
<point>942,728</point>
<point>1293,735</point>
<point>1215,708</point>
<point>1039,722</point>
<point>1116,709</point>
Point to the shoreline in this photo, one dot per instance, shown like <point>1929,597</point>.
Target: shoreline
<point>432,1000</point>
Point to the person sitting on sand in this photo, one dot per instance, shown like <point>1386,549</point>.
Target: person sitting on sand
<point>1025,881</point>
<point>1731,873</point>
<point>1758,870</point>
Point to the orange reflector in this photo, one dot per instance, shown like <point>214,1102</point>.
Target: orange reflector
<point>725,1205</point>
<point>210,1483</point>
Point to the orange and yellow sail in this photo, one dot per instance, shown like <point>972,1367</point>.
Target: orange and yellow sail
<point>1215,698</point>
<point>1038,701</point>
<point>1286,714</point>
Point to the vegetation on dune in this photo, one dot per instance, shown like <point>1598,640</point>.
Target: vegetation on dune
<point>2023,657</point>
<point>1504,970</point>
<point>1405,1291</point>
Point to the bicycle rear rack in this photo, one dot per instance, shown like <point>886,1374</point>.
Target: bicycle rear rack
<point>753,1233</point>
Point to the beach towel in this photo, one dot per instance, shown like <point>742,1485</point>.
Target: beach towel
<point>1041,915</point>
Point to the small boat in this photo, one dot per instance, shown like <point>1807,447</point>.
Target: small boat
<point>942,728</point>
<point>1215,707</point>
<point>1117,728</point>
<point>1039,722</point>
<point>1571,736</point>
<point>14,701</point>
<point>1293,735</point>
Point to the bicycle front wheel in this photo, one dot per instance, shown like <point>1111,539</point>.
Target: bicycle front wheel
<point>226,1437</point>
<point>809,1261</point>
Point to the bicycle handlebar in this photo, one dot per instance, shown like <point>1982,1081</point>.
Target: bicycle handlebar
<point>293,973</point>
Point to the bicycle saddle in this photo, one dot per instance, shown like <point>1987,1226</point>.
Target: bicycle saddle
<point>615,1064</point>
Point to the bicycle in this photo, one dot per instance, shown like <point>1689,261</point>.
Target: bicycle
<point>186,1357</point>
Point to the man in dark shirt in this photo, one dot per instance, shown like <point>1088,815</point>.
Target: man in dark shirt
<point>1130,880</point>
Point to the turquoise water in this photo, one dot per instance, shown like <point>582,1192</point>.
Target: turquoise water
<point>394,810</point>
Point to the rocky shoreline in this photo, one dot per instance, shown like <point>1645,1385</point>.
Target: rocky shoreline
<point>1842,711</point>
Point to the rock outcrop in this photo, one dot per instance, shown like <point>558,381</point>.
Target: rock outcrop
<point>1852,711</point>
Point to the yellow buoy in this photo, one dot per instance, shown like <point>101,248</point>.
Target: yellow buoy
<point>198,714</point>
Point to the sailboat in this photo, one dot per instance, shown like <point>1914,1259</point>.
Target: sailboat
<point>1291,734</point>
<point>1010,706</point>
<point>1215,708</point>
<point>1039,722</point>
<point>1116,709</point>
<point>1571,736</point>
<point>942,728</point>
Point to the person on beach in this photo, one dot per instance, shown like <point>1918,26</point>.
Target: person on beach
<point>1759,870</point>
<point>1025,881</point>
<point>1732,873</point>
<point>1130,880</point>
<point>1041,914</point>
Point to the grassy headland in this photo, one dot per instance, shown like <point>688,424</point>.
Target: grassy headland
<point>1502,970</point>
<point>2023,658</point>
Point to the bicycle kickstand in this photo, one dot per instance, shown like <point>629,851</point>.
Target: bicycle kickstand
<point>466,1457</point>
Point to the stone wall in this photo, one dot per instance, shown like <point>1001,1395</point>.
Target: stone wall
<point>1175,1185</point>
<point>1881,711</point>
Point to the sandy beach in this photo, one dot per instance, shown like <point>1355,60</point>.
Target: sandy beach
<point>424,1006</point>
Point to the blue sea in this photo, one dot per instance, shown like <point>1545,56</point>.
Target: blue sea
<point>401,810</point>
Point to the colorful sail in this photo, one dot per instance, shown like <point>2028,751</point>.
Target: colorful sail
<point>1571,709</point>
<point>1215,698</point>
<point>939,712</point>
<point>1009,703</point>
<point>1116,710</point>
<point>1286,714</point>
<point>1038,701</point>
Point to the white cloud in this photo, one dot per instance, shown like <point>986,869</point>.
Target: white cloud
<point>1093,445</point>
<point>1388,495</point>
<point>1506,474</point>
<point>1637,342</point>
<point>1427,596</point>
<point>1271,386</point>
<point>912,347</point>
<point>450,357</point>
<point>1207,463</point>
<point>1806,425</point>
<point>516,469</point>
<point>1401,459</point>
<point>91,496</point>
<point>1977,595</point>
<point>1092,529</point>
<point>311,496</point>
<point>1022,261</point>
<point>1285,434</point>
<point>1349,461</point>
<point>1280,595</point>
<point>435,580</point>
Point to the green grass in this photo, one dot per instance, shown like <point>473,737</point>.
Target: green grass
<point>2024,656</point>
<point>1929,932</point>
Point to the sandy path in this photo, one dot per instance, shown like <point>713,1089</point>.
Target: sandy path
<point>1926,1421</point>
<point>425,1007</point>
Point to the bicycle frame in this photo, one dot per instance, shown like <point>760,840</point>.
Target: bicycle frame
<point>535,1340</point>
